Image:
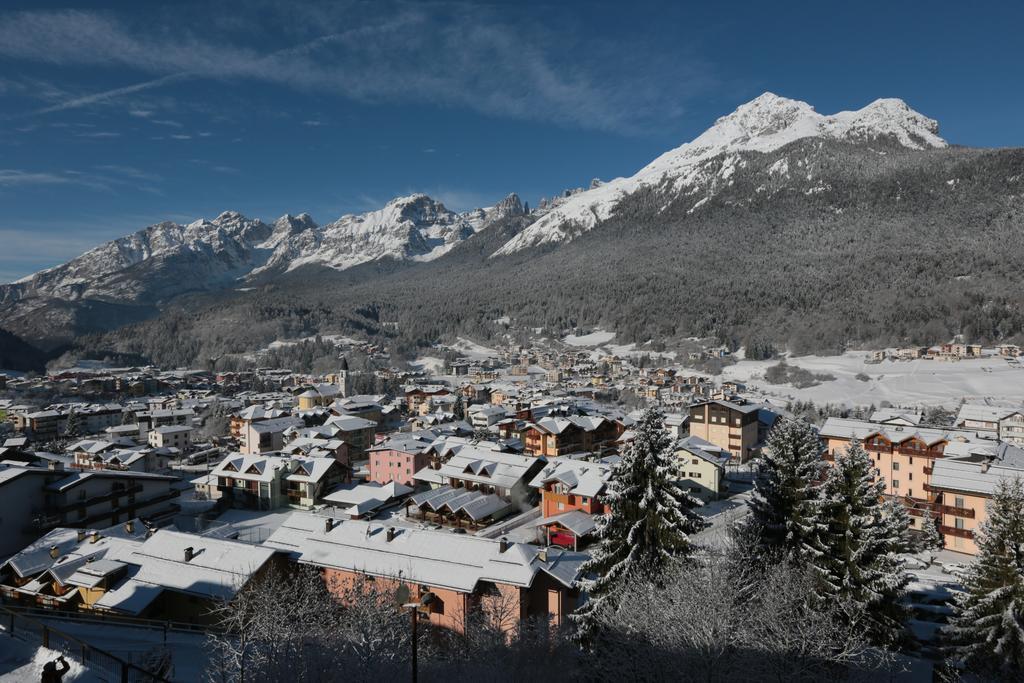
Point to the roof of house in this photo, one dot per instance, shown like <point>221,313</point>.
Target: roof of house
<point>896,416</point>
<point>487,467</point>
<point>578,522</point>
<point>979,473</point>
<point>980,413</point>
<point>844,428</point>
<point>581,477</point>
<point>435,558</point>
<point>705,450</point>
<point>351,423</point>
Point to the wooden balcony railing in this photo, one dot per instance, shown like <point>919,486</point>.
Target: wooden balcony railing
<point>953,531</point>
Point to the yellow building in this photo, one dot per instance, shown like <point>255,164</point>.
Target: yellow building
<point>701,467</point>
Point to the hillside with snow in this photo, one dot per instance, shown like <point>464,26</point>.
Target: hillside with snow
<point>764,124</point>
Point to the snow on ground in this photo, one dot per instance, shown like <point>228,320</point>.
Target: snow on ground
<point>131,643</point>
<point>916,382</point>
<point>21,661</point>
<point>595,338</point>
<point>470,349</point>
<point>430,364</point>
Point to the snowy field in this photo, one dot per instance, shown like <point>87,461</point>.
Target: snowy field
<point>595,338</point>
<point>907,383</point>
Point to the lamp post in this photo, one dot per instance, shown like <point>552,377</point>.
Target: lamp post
<point>414,610</point>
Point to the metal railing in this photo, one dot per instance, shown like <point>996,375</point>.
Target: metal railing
<point>40,634</point>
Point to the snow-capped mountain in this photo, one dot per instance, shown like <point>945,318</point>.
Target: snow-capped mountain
<point>228,244</point>
<point>166,260</point>
<point>762,125</point>
<point>414,228</point>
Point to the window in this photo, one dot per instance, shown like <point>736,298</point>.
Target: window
<point>958,522</point>
<point>561,505</point>
<point>959,502</point>
<point>910,476</point>
<point>895,484</point>
<point>895,466</point>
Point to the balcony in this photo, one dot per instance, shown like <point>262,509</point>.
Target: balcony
<point>953,531</point>
<point>956,512</point>
<point>928,471</point>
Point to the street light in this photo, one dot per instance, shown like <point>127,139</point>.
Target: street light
<point>402,594</point>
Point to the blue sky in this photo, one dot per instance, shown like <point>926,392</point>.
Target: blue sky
<point>116,115</point>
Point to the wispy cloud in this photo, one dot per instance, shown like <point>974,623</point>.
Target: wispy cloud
<point>312,123</point>
<point>450,55</point>
<point>106,95</point>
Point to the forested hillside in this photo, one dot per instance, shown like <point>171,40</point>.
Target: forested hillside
<point>818,246</point>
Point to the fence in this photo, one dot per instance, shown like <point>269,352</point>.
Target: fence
<point>41,634</point>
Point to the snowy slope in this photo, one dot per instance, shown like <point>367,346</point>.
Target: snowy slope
<point>407,228</point>
<point>761,125</point>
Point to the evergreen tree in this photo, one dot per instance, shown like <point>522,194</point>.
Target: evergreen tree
<point>459,409</point>
<point>73,426</point>
<point>784,508</point>
<point>856,554</point>
<point>988,626</point>
<point>647,526</point>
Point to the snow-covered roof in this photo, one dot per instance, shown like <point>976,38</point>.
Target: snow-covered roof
<point>435,558</point>
<point>487,467</point>
<point>580,477</point>
<point>979,473</point>
<point>578,522</point>
<point>980,413</point>
<point>844,428</point>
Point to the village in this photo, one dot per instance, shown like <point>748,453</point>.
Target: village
<point>140,496</point>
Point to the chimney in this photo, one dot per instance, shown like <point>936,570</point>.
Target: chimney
<point>94,537</point>
<point>129,526</point>
<point>81,535</point>
<point>391,534</point>
<point>503,544</point>
<point>189,553</point>
<point>328,524</point>
<point>542,555</point>
<point>54,552</point>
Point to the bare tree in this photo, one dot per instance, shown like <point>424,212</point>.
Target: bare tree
<point>286,625</point>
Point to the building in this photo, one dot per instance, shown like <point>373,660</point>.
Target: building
<point>364,500</point>
<point>416,395</point>
<point>516,581</point>
<point>555,436</point>
<point>399,459</point>
<point>1005,424</point>
<point>904,456</point>
<point>34,500</point>
<point>267,482</point>
<point>175,436</point>
<point>483,415</point>
<point>572,494</point>
<point>701,467</point>
<point>730,425</point>
<point>266,436</point>
<point>962,487</point>
<point>132,570</point>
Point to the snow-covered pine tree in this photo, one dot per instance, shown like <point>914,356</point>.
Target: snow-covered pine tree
<point>73,426</point>
<point>459,409</point>
<point>647,526</point>
<point>784,511</point>
<point>987,629</point>
<point>856,556</point>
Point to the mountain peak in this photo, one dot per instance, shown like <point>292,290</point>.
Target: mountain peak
<point>764,124</point>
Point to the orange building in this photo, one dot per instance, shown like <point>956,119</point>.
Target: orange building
<point>463,572</point>
<point>572,494</point>
<point>906,457</point>
<point>554,436</point>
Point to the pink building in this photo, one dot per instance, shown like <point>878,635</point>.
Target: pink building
<point>398,459</point>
